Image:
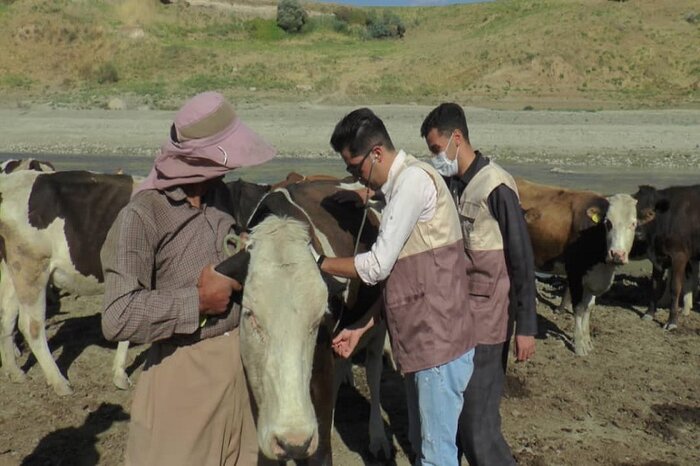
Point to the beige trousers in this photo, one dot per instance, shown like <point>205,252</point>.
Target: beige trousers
<point>191,407</point>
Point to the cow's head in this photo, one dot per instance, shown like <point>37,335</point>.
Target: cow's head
<point>284,302</point>
<point>649,204</point>
<point>620,222</point>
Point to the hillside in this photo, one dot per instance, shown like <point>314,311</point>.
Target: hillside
<point>576,54</point>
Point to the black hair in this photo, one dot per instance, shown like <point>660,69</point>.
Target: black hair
<point>359,131</point>
<point>446,117</point>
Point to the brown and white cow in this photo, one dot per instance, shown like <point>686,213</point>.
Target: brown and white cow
<point>669,226</point>
<point>52,226</point>
<point>586,233</point>
<point>281,319</point>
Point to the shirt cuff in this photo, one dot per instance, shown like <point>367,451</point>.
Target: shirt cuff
<point>187,300</point>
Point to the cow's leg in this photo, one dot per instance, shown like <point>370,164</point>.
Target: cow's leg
<point>587,340</point>
<point>581,317</point>
<point>379,445</point>
<point>32,324</point>
<point>565,304</point>
<point>8,312</point>
<point>342,373</point>
<point>657,288</point>
<point>678,264</point>
<point>30,275</point>
<point>322,397</point>
<point>119,377</point>
<point>580,300</point>
<point>689,286</point>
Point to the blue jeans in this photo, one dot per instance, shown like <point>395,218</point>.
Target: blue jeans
<point>435,397</point>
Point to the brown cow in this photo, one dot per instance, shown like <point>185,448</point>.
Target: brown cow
<point>586,233</point>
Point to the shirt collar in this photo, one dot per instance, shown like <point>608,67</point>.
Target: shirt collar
<point>176,194</point>
<point>393,172</point>
<point>479,162</point>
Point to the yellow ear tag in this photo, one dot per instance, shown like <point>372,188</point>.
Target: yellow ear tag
<point>595,217</point>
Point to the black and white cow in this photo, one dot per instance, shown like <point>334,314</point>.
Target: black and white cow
<point>669,226</point>
<point>12,165</point>
<point>52,226</point>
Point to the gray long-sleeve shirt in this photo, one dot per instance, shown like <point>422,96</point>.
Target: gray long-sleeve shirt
<point>152,258</point>
<point>505,207</point>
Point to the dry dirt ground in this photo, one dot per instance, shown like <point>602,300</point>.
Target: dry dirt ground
<point>634,401</point>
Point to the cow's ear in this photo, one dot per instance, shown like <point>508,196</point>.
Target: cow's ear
<point>662,206</point>
<point>595,214</point>
<point>235,266</point>
<point>646,216</point>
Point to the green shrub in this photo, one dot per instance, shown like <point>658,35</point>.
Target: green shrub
<point>692,17</point>
<point>107,73</point>
<point>291,17</point>
<point>351,15</point>
<point>385,26</point>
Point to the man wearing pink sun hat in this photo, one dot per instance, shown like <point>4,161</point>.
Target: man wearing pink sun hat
<point>191,404</point>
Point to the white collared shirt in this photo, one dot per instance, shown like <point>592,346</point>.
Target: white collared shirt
<point>410,198</point>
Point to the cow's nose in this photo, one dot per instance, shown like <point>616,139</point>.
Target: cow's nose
<point>295,445</point>
<point>618,257</point>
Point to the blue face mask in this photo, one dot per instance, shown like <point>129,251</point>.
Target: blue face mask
<point>443,164</point>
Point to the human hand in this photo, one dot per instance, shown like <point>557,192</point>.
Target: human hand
<point>524,347</point>
<point>346,341</point>
<point>215,291</point>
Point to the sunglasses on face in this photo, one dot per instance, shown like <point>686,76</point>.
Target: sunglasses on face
<point>355,169</point>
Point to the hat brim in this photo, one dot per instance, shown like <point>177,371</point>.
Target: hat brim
<point>239,147</point>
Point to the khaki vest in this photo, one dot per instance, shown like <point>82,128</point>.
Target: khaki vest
<point>489,283</point>
<point>425,295</point>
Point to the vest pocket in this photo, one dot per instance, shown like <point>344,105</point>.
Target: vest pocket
<point>468,213</point>
<point>481,288</point>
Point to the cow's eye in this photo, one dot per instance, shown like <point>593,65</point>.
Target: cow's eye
<point>608,224</point>
<point>250,318</point>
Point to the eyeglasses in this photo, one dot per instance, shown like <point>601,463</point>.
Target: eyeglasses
<point>355,169</point>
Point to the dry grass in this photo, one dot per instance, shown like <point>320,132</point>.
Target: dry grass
<point>510,53</point>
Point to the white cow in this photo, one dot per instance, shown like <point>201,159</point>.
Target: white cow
<point>285,301</point>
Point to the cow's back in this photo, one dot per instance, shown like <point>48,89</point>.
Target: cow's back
<point>678,224</point>
<point>555,217</point>
<point>85,204</point>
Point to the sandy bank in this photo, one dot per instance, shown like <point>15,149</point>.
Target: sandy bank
<point>655,138</point>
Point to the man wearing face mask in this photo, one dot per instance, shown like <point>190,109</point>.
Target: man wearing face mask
<point>501,276</point>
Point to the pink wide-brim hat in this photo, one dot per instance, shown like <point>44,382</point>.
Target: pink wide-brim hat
<point>207,140</point>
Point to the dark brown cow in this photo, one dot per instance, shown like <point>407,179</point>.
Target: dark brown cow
<point>669,225</point>
<point>587,234</point>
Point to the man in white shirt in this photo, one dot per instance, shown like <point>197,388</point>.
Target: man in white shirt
<point>418,247</point>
